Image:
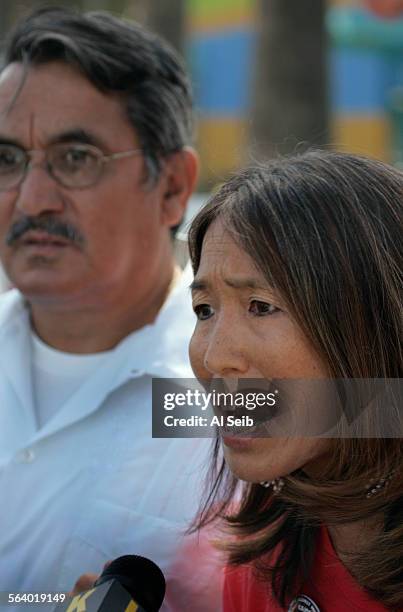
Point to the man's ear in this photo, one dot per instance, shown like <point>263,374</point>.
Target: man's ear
<point>181,171</point>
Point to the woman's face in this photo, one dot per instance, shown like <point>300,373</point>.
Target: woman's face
<point>244,331</point>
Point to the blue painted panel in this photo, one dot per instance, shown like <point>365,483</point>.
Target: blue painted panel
<point>360,80</point>
<point>221,65</point>
<point>397,67</point>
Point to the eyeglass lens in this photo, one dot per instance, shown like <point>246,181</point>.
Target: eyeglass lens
<point>71,165</point>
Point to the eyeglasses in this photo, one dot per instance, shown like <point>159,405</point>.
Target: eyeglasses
<point>75,166</point>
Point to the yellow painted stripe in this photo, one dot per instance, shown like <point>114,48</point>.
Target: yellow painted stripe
<point>222,146</point>
<point>207,15</point>
<point>238,18</point>
<point>223,142</point>
<point>132,607</point>
<point>367,135</point>
<point>212,6</point>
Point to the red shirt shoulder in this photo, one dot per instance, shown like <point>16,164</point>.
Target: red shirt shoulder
<point>330,589</point>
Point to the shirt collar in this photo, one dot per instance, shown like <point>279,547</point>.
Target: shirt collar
<point>158,349</point>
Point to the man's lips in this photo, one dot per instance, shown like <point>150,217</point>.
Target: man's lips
<point>41,238</point>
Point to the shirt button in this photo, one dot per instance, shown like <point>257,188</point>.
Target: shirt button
<point>26,456</point>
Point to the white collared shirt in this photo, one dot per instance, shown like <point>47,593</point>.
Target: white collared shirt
<point>56,375</point>
<point>92,484</point>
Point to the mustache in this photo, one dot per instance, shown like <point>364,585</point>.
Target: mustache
<point>47,224</point>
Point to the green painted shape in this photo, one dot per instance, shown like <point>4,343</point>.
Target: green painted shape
<point>207,8</point>
<point>359,29</point>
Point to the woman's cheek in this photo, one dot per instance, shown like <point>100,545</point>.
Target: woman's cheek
<point>196,353</point>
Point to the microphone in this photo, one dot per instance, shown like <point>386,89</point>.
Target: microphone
<point>129,584</point>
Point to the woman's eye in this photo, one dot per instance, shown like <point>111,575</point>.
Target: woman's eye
<point>261,309</point>
<point>203,311</point>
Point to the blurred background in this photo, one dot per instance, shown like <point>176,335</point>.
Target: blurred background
<point>274,76</point>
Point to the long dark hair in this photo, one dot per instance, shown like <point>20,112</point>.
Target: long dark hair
<point>325,229</point>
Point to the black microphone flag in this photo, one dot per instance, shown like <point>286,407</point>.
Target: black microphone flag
<point>129,584</point>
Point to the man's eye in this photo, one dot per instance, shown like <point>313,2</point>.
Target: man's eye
<point>78,157</point>
<point>203,311</point>
<point>10,158</point>
<point>261,309</point>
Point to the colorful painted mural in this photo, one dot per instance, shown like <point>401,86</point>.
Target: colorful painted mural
<point>365,72</point>
<point>221,52</point>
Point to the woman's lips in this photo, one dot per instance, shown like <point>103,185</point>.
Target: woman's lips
<point>237,442</point>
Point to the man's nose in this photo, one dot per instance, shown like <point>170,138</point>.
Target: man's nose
<point>225,354</point>
<point>38,192</point>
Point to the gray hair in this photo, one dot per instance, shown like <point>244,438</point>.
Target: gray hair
<point>120,57</point>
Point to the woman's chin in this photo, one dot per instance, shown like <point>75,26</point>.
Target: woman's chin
<point>247,470</point>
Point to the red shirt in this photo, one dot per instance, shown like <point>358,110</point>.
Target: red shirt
<point>330,589</point>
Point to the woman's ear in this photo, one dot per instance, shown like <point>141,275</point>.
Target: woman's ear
<point>181,172</point>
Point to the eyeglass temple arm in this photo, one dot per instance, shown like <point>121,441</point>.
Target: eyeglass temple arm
<point>122,154</point>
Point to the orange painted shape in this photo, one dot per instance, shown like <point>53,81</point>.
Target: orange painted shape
<point>222,147</point>
<point>239,17</point>
<point>388,9</point>
<point>366,135</point>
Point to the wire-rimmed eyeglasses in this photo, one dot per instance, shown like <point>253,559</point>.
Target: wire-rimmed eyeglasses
<point>75,166</point>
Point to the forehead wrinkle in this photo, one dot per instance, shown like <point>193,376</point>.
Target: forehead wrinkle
<point>222,257</point>
<point>17,90</point>
<point>36,117</point>
<point>31,129</point>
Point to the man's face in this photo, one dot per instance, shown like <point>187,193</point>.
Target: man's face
<point>119,221</point>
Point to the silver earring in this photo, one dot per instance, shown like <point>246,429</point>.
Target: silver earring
<point>277,484</point>
<point>374,487</point>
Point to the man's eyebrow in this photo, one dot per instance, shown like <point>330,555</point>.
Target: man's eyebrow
<point>6,140</point>
<point>77,135</point>
<point>74,135</point>
<point>235,283</point>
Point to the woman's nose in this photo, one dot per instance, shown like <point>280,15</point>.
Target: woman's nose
<point>225,354</point>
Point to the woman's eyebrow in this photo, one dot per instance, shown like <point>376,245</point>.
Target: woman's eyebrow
<point>245,283</point>
<point>198,285</point>
<point>234,283</point>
